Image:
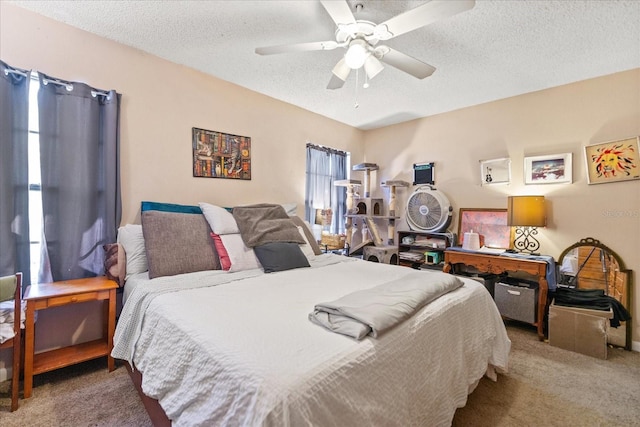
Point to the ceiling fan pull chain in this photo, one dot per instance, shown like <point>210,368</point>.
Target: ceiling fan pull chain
<point>356,105</point>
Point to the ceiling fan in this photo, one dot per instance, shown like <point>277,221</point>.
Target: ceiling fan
<point>360,38</point>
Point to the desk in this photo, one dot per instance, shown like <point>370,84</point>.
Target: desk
<point>46,295</point>
<point>496,264</point>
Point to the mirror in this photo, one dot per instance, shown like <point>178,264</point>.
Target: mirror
<point>589,264</point>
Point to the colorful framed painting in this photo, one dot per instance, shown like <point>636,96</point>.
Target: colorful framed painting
<point>613,161</point>
<point>220,155</point>
<point>552,169</point>
<point>490,224</point>
<point>495,171</point>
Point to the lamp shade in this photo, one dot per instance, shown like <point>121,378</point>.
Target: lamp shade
<point>526,211</point>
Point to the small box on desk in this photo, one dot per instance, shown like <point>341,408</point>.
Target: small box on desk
<point>579,329</point>
<point>516,302</point>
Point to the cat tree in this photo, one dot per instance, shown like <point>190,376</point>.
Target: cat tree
<point>362,234</point>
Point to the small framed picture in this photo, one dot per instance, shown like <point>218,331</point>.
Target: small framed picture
<point>495,171</point>
<point>220,155</point>
<point>613,161</point>
<point>552,169</point>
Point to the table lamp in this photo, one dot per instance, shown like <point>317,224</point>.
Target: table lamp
<point>526,213</point>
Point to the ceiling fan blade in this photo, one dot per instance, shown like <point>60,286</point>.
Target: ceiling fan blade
<point>335,82</point>
<point>298,47</point>
<point>420,16</point>
<point>406,63</point>
<point>339,12</point>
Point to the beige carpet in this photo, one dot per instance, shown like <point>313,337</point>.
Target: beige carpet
<point>545,386</point>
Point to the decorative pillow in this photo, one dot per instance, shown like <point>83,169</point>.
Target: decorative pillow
<point>131,238</point>
<point>241,256</point>
<point>177,243</point>
<point>265,223</point>
<point>220,219</point>
<point>290,208</point>
<point>308,234</point>
<point>306,248</point>
<point>169,207</point>
<point>280,256</point>
<point>115,263</point>
<point>225,261</point>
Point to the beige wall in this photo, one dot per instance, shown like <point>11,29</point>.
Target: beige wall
<point>558,120</point>
<point>162,101</point>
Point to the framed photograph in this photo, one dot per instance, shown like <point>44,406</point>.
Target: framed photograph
<point>613,161</point>
<point>220,155</point>
<point>490,224</point>
<point>495,171</point>
<point>552,169</point>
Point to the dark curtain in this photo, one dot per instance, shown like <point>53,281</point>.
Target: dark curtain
<point>324,167</point>
<point>79,154</point>
<point>14,173</point>
<point>339,196</point>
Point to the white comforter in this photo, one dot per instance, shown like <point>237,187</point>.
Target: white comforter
<point>242,352</point>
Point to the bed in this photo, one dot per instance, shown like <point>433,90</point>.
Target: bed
<point>220,347</point>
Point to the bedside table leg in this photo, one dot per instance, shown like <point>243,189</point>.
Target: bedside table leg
<point>28,349</point>
<point>111,327</point>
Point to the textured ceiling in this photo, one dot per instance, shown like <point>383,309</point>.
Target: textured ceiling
<point>496,50</point>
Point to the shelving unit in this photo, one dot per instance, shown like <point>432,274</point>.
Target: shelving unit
<point>426,251</point>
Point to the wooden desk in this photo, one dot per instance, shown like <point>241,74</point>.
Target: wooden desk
<point>46,295</point>
<point>496,264</point>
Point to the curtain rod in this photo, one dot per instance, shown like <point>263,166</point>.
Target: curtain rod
<point>12,71</point>
<point>69,87</point>
<point>326,149</point>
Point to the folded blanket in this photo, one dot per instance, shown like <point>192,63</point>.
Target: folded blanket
<point>265,223</point>
<point>373,311</point>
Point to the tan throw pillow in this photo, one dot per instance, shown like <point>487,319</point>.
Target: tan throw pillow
<point>178,243</point>
<point>308,234</point>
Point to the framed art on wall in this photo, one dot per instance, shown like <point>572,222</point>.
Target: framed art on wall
<point>490,224</point>
<point>220,155</point>
<point>551,169</point>
<point>495,171</point>
<point>613,161</point>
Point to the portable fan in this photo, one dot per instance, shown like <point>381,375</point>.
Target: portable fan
<point>428,210</point>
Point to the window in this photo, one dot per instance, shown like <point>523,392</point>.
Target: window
<point>35,194</point>
<point>324,167</point>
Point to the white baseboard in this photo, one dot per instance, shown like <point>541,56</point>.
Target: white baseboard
<point>635,346</point>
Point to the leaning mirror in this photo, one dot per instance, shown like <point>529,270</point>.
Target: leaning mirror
<point>589,264</point>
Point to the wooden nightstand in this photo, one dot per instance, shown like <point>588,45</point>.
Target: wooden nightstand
<point>46,295</point>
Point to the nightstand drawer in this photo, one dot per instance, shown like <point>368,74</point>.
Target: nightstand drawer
<point>71,299</point>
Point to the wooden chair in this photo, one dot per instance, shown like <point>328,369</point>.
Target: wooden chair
<point>11,289</point>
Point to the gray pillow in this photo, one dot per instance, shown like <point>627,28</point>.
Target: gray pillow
<point>280,256</point>
<point>178,243</point>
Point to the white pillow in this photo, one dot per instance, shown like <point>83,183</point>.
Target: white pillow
<point>241,256</point>
<point>290,208</point>
<point>307,250</point>
<point>132,240</point>
<point>220,220</point>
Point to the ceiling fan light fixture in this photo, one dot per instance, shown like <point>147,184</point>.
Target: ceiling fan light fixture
<point>341,70</point>
<point>356,54</point>
<point>372,66</point>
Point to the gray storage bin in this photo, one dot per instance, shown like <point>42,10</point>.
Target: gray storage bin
<point>516,302</point>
